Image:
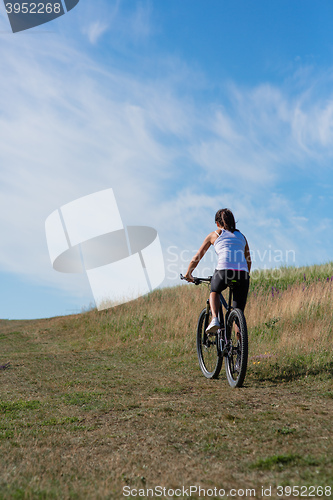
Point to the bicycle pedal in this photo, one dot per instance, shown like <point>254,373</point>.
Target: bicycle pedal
<point>226,348</point>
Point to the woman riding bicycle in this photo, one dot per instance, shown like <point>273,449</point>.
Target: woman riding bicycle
<point>234,264</point>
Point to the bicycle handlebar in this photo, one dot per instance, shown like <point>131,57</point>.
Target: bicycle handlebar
<point>197,281</point>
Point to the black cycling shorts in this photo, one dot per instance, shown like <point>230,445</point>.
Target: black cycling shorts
<point>221,280</point>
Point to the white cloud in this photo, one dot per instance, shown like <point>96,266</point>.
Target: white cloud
<point>125,24</point>
<point>140,22</point>
<point>313,128</point>
<point>95,30</point>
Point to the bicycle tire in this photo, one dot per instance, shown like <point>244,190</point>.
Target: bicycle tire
<point>237,352</point>
<point>210,361</point>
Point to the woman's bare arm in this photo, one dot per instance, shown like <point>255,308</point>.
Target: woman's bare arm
<point>208,241</point>
<point>248,256</point>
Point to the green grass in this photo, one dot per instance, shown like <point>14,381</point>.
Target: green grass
<point>277,461</point>
<point>283,277</point>
<point>17,407</point>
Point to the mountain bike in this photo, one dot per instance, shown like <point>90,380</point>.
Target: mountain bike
<point>229,342</point>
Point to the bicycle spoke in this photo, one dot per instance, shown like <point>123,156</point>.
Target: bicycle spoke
<point>209,359</point>
<point>237,353</point>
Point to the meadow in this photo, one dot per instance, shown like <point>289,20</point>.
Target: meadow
<point>112,404</point>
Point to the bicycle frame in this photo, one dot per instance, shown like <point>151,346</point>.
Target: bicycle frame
<point>221,339</point>
<point>228,306</point>
<point>223,303</point>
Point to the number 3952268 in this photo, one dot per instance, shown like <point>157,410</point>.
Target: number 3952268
<point>33,8</point>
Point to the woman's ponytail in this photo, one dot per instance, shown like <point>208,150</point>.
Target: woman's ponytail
<point>226,219</point>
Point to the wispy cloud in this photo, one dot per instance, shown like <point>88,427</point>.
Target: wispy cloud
<point>95,30</point>
<point>125,25</point>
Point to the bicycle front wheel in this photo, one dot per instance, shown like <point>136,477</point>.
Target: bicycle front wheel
<point>209,359</point>
<point>237,350</point>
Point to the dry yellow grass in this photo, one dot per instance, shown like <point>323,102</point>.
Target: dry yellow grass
<point>293,326</point>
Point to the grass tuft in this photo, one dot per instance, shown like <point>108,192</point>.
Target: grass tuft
<point>276,461</point>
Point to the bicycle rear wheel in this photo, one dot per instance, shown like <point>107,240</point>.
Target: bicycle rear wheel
<point>237,352</point>
<point>209,359</point>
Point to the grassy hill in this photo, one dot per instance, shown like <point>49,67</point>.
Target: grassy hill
<point>99,401</point>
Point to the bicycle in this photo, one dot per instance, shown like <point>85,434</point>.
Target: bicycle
<point>229,342</point>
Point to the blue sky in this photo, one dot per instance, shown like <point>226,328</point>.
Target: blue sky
<point>182,107</point>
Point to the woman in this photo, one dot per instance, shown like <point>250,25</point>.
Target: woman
<point>234,263</point>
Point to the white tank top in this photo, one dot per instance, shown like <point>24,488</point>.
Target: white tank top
<point>230,250</point>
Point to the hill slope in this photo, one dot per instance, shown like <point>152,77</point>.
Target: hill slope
<point>97,401</point>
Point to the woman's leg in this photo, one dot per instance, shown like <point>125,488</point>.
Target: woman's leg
<point>218,284</point>
<point>241,291</point>
<point>240,296</point>
<point>214,301</point>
